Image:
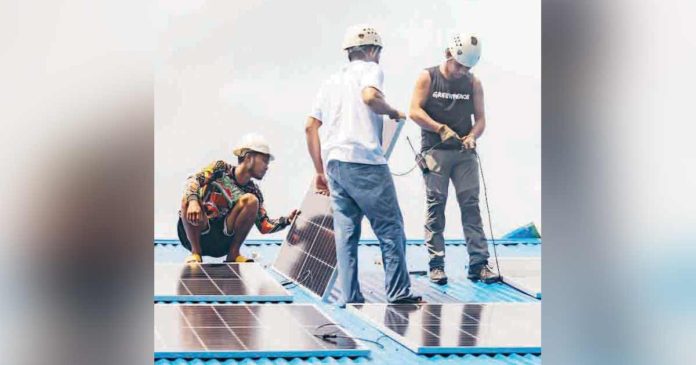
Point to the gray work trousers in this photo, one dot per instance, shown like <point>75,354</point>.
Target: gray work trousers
<point>462,168</point>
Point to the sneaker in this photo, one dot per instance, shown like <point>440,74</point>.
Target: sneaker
<point>483,273</point>
<point>194,258</point>
<point>240,259</point>
<point>438,276</point>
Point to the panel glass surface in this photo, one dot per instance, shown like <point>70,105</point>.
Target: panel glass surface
<point>219,282</point>
<point>459,327</point>
<point>522,273</point>
<point>240,330</point>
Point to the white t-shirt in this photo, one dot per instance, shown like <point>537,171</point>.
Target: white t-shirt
<point>350,132</point>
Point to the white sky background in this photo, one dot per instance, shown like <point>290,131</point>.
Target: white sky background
<point>225,68</point>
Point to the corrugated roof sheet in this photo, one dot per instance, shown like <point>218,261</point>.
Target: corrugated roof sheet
<point>374,242</point>
<point>459,289</point>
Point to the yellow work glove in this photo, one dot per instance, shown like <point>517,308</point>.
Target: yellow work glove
<point>446,133</point>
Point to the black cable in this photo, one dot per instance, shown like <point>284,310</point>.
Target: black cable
<point>306,275</point>
<point>327,336</point>
<point>416,165</point>
<point>488,209</point>
<point>485,194</point>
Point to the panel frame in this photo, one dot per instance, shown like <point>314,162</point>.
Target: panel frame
<point>514,283</point>
<point>327,294</point>
<point>360,351</point>
<point>431,350</point>
<point>287,297</point>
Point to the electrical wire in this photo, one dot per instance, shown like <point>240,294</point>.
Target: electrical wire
<point>327,336</point>
<point>306,275</point>
<point>416,165</point>
<point>405,173</point>
<point>488,210</point>
<point>485,194</point>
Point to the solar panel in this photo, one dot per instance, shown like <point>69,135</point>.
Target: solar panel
<point>489,328</point>
<point>247,331</point>
<point>373,291</point>
<point>232,282</point>
<point>522,273</point>
<point>308,253</point>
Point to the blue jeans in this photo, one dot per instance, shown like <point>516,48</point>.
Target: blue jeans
<point>359,190</point>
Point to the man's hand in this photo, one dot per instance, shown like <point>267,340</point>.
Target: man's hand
<point>321,185</point>
<point>194,212</point>
<point>446,133</point>
<point>396,115</point>
<point>292,215</point>
<point>469,141</point>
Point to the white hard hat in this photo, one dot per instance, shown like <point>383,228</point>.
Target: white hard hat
<point>253,142</point>
<point>361,35</point>
<point>465,49</point>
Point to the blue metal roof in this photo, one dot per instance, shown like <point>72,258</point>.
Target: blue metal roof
<point>374,242</point>
<point>371,278</point>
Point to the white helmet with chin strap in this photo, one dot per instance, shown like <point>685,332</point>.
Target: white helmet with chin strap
<point>253,142</point>
<point>361,35</point>
<point>465,48</point>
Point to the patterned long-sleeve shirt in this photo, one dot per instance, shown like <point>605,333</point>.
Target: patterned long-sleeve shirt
<point>216,187</point>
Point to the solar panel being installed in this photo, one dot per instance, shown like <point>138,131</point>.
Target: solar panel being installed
<point>247,331</point>
<point>234,282</point>
<point>458,328</point>
<point>308,253</point>
<point>522,273</point>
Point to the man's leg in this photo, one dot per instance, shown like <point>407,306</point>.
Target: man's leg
<point>239,221</point>
<point>193,232</point>
<point>372,187</point>
<point>436,189</point>
<point>347,218</point>
<point>465,177</point>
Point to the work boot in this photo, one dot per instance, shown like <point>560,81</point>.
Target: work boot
<point>483,273</point>
<point>438,276</point>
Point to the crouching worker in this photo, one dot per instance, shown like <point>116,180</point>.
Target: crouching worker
<point>221,203</point>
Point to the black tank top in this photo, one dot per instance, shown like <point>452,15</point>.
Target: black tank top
<point>449,102</point>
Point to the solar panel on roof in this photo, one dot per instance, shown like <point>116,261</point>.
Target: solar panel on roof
<point>522,273</point>
<point>234,282</point>
<point>247,330</point>
<point>308,253</point>
<point>458,328</point>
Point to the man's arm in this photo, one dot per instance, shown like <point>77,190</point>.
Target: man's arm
<point>267,225</point>
<point>314,147</point>
<point>420,116</point>
<point>469,140</point>
<point>420,96</point>
<point>378,104</point>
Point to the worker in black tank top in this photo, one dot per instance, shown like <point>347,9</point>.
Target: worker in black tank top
<point>449,102</point>
<point>444,100</point>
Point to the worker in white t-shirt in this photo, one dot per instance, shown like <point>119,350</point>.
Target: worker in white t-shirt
<point>350,165</point>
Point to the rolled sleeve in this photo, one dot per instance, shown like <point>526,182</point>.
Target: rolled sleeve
<point>372,77</point>
<point>316,111</point>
